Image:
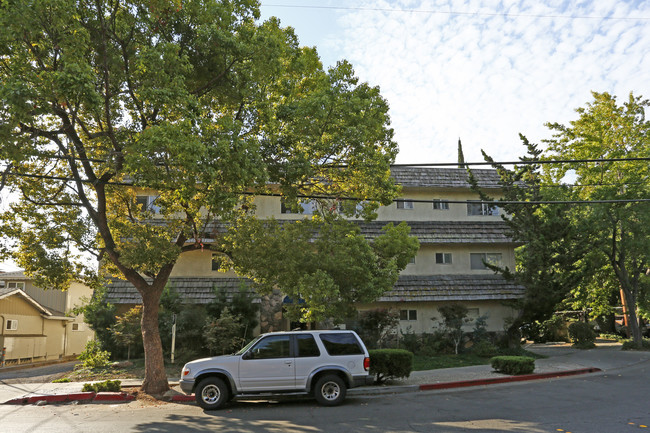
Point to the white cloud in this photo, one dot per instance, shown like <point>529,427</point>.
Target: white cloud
<point>487,77</point>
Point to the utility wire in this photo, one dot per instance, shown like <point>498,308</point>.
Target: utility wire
<point>441,12</point>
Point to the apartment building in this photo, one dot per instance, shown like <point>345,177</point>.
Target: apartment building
<point>458,234</point>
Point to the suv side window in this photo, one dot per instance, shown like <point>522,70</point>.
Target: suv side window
<point>307,346</point>
<point>341,344</point>
<point>276,346</point>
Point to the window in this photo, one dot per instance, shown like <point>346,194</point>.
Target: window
<point>147,203</point>
<point>408,315</point>
<point>443,258</point>
<point>16,285</point>
<point>480,208</point>
<point>276,346</point>
<point>307,346</point>
<point>412,260</point>
<point>220,262</point>
<point>11,325</point>
<point>440,205</point>
<point>76,327</point>
<point>404,204</point>
<point>478,260</point>
<point>341,344</point>
<point>306,208</point>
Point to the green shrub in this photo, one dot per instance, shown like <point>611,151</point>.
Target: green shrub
<point>629,345</point>
<point>411,341</point>
<point>554,329</point>
<point>435,344</point>
<point>390,363</point>
<point>484,349</point>
<point>106,386</point>
<point>582,335</point>
<point>62,380</point>
<point>93,356</point>
<point>513,364</point>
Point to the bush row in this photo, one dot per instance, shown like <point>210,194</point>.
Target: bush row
<point>513,364</point>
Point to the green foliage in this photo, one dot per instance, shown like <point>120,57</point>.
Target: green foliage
<point>390,363</point>
<point>485,349</point>
<point>631,345</point>
<point>582,335</point>
<point>93,356</point>
<point>62,380</point>
<point>100,316</point>
<point>223,335</point>
<point>480,332</point>
<point>325,261</point>
<point>454,316</point>
<point>375,326</point>
<point>105,386</point>
<point>241,306</point>
<point>126,330</point>
<point>513,364</point>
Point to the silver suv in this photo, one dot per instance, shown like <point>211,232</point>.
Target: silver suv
<point>321,363</point>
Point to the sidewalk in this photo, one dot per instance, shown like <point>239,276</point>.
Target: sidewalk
<point>562,360</point>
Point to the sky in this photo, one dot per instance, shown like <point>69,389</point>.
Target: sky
<point>483,71</point>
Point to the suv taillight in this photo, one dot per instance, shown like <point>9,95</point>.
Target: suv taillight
<point>366,363</point>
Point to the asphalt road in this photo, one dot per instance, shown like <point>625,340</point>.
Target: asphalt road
<point>613,402</point>
<point>44,374</point>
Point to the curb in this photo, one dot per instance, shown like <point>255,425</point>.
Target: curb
<point>507,379</point>
<point>86,397</point>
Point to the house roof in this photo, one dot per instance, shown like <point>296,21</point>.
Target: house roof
<point>447,232</point>
<point>192,290</point>
<point>410,288</point>
<point>443,177</point>
<point>14,275</point>
<point>49,313</point>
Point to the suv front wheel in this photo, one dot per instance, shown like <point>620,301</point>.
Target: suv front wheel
<point>330,390</point>
<point>211,393</point>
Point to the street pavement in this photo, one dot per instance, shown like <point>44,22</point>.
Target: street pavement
<point>561,359</point>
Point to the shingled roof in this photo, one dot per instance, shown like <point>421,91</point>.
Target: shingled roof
<point>192,290</point>
<point>447,232</point>
<point>453,288</point>
<point>443,177</point>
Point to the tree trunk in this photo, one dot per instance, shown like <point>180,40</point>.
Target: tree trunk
<point>155,378</point>
<point>633,321</point>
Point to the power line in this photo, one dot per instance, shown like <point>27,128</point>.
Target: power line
<point>441,12</point>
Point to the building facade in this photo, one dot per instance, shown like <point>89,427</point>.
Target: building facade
<point>458,235</point>
<point>39,324</point>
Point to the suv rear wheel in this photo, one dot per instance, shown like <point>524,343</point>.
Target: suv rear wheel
<point>330,390</point>
<point>211,393</point>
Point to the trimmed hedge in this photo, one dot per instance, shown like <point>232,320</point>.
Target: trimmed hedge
<point>513,364</point>
<point>582,335</point>
<point>390,363</point>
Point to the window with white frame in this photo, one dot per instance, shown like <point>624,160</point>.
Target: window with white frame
<point>16,285</point>
<point>412,260</point>
<point>478,260</point>
<point>443,258</point>
<point>408,315</point>
<point>11,324</point>
<point>481,208</point>
<point>404,204</point>
<point>440,205</point>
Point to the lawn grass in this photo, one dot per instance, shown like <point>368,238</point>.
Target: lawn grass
<point>422,362</point>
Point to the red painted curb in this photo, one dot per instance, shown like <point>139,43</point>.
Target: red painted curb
<point>495,380</point>
<point>181,398</point>
<point>113,396</point>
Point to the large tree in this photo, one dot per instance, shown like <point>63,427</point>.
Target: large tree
<point>619,232</point>
<point>195,102</point>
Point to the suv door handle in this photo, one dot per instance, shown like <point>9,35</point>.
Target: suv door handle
<point>288,362</point>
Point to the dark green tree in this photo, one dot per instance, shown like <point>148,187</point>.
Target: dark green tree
<point>193,102</point>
